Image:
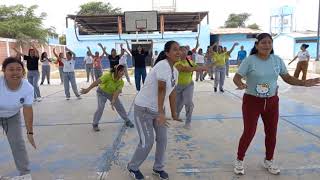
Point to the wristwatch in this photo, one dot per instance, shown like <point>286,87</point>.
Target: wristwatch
<point>31,133</point>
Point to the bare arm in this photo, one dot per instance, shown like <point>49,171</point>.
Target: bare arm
<point>292,80</point>
<point>55,53</point>
<point>173,106</point>
<point>237,80</point>
<point>94,84</point>
<point>18,52</point>
<point>73,54</point>
<point>104,52</point>
<point>197,44</point>
<point>90,53</point>
<point>35,49</point>
<point>233,46</point>
<point>161,96</point>
<point>128,47</point>
<point>293,60</point>
<point>28,118</point>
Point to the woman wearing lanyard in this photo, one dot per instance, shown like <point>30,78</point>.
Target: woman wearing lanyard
<point>16,93</point>
<point>261,70</point>
<point>33,70</point>
<point>149,112</point>
<point>110,86</point>
<point>185,85</point>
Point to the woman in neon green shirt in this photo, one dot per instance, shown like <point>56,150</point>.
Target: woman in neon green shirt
<point>185,85</point>
<point>110,86</point>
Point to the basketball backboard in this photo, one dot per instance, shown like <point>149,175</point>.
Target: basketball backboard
<point>141,21</point>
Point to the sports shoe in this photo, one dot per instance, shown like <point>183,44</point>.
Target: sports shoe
<point>79,97</point>
<point>238,167</point>
<point>39,99</point>
<point>129,124</point>
<point>95,127</point>
<point>136,174</point>
<point>4,178</point>
<point>187,126</point>
<point>23,177</point>
<point>215,89</point>
<point>221,90</point>
<point>161,174</point>
<point>68,98</point>
<point>271,167</point>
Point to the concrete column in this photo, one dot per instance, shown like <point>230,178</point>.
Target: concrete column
<point>8,48</point>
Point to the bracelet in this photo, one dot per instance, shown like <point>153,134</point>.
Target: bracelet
<point>31,133</point>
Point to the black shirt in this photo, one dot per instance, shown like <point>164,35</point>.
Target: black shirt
<point>113,60</point>
<point>139,59</point>
<point>32,62</point>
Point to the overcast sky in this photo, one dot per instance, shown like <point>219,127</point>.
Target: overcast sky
<point>306,11</point>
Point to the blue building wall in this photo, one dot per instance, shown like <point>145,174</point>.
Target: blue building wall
<point>227,40</point>
<point>312,46</point>
<point>79,46</point>
<point>53,40</point>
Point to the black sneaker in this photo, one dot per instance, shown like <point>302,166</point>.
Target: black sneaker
<point>221,90</point>
<point>136,174</point>
<point>162,174</point>
<point>215,89</point>
<point>129,124</point>
<point>95,127</point>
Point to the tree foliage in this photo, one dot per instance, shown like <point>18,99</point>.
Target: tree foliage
<point>62,39</point>
<point>98,8</point>
<point>253,26</point>
<point>237,20</point>
<point>21,23</point>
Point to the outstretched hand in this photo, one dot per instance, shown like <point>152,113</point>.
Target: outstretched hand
<point>84,91</point>
<point>312,82</point>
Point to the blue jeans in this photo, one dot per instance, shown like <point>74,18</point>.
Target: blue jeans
<point>70,77</point>
<point>138,74</point>
<point>33,78</point>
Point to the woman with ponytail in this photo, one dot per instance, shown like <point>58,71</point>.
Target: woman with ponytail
<point>149,111</point>
<point>110,86</point>
<point>261,70</point>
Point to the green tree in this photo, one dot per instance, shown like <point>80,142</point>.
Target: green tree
<point>62,39</point>
<point>21,23</point>
<point>98,8</point>
<point>253,26</point>
<point>236,20</point>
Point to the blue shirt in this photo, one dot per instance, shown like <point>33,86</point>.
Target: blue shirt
<point>262,75</point>
<point>241,55</point>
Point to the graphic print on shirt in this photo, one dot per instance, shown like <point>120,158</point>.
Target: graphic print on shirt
<point>263,89</point>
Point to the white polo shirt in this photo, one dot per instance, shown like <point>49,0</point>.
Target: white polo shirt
<point>148,95</point>
<point>11,101</point>
<point>303,55</point>
<point>88,60</point>
<point>68,65</point>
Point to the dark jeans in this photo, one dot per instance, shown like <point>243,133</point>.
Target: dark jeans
<point>138,74</point>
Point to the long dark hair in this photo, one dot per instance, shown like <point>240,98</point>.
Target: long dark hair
<point>42,55</point>
<point>259,37</point>
<point>162,55</point>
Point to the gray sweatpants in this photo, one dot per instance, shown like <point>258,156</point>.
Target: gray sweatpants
<point>89,70</point>
<point>220,75</point>
<point>102,99</point>
<point>97,73</point>
<point>33,78</point>
<point>12,126</point>
<point>45,73</point>
<point>145,120</point>
<point>199,73</point>
<point>126,72</point>
<point>70,77</point>
<point>61,73</point>
<point>184,98</point>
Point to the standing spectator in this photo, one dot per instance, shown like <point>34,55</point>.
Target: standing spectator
<point>242,54</point>
<point>45,67</point>
<point>302,65</point>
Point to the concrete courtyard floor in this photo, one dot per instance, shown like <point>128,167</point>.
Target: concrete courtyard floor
<point>69,149</point>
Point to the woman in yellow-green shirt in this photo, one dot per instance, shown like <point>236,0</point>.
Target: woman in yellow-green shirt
<point>219,57</point>
<point>110,86</point>
<point>185,85</point>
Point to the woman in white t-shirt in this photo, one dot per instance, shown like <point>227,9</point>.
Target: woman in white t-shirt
<point>88,62</point>
<point>149,112</point>
<point>45,67</point>
<point>302,65</point>
<point>16,93</point>
<point>199,60</point>
<point>123,61</point>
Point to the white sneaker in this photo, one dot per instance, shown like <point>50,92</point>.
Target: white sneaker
<point>24,177</point>
<point>4,178</point>
<point>271,167</point>
<point>68,98</point>
<point>39,99</point>
<point>187,126</point>
<point>238,167</point>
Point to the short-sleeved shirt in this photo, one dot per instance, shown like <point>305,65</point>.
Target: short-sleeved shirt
<point>88,60</point>
<point>109,84</point>
<point>303,55</point>
<point>148,95</point>
<point>113,60</point>
<point>32,62</point>
<point>185,78</point>
<point>97,62</point>
<point>199,58</point>
<point>45,62</point>
<point>262,75</point>
<point>139,59</point>
<point>241,55</point>
<point>219,58</point>
<point>68,65</point>
<point>123,59</point>
<point>11,101</point>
